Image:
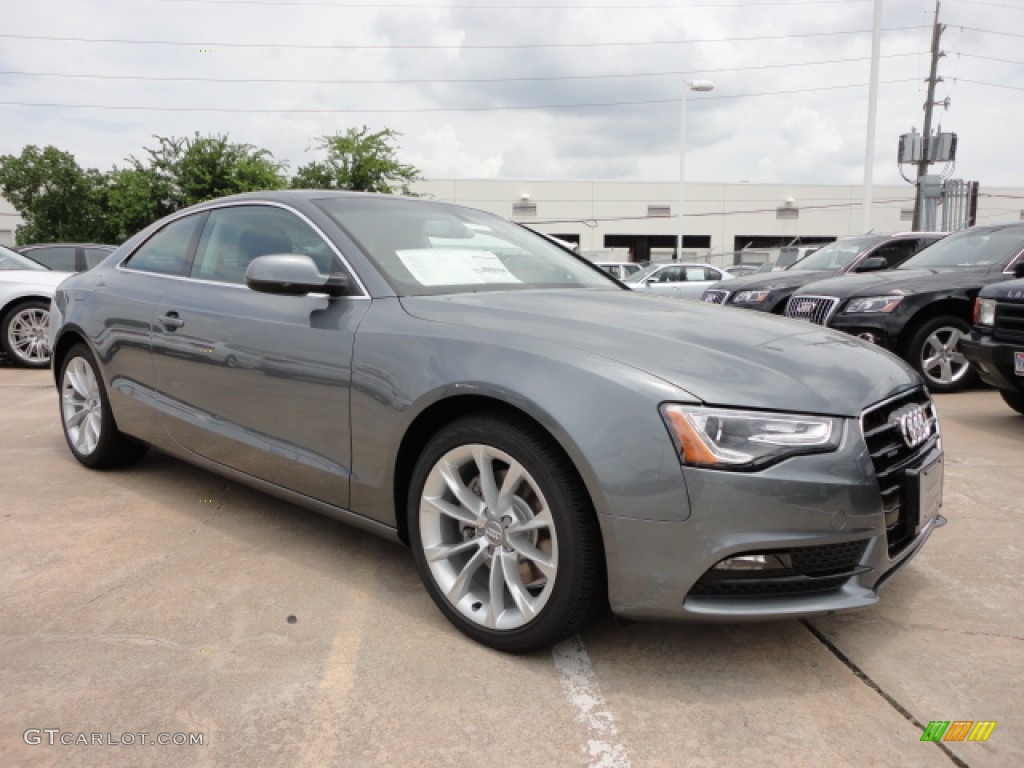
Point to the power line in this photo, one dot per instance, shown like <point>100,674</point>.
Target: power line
<point>459,46</point>
<point>993,5</point>
<point>524,107</point>
<point>989,58</point>
<point>992,31</point>
<point>413,81</point>
<point>991,85</point>
<point>513,6</point>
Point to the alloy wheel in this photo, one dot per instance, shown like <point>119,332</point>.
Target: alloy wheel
<point>488,537</point>
<point>941,359</point>
<point>26,335</point>
<point>81,406</point>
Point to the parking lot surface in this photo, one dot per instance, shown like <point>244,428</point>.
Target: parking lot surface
<point>163,600</point>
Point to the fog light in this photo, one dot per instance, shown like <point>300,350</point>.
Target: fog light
<point>868,337</point>
<point>763,562</point>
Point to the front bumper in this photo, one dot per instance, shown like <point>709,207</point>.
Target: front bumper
<point>881,330</point>
<point>826,513</point>
<point>994,361</point>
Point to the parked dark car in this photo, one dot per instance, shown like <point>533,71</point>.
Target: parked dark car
<point>996,345</point>
<point>66,257</point>
<point>544,439</point>
<point>769,291</point>
<point>923,309</point>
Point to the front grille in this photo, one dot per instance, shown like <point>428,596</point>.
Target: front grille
<point>1009,323</point>
<point>892,457</point>
<point>820,568</point>
<point>715,297</point>
<point>816,309</point>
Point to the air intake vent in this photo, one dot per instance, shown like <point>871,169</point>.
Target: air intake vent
<point>659,210</point>
<point>524,209</point>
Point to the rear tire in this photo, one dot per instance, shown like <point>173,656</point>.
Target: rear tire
<point>934,350</point>
<point>504,534</point>
<point>1014,399</point>
<point>88,422</point>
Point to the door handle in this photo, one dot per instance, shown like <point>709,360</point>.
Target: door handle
<point>171,321</point>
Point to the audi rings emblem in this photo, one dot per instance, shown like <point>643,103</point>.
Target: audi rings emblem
<point>914,425</point>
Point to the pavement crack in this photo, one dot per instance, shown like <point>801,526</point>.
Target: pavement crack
<point>863,676</point>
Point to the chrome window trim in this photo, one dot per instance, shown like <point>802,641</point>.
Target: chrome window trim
<point>1008,270</point>
<point>365,295</point>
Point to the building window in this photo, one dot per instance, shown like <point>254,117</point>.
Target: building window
<point>524,209</point>
<point>659,210</point>
<point>787,212</point>
<point>906,214</point>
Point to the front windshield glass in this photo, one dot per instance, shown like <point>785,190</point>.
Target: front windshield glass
<point>10,260</point>
<point>424,248</point>
<point>837,255</point>
<point>642,274</point>
<point>970,249</point>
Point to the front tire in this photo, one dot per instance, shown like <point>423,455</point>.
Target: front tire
<point>23,333</point>
<point>934,350</point>
<point>504,534</point>
<point>1013,399</point>
<point>88,422</point>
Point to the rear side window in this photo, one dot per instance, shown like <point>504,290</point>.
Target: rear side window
<point>94,256</point>
<point>167,252</point>
<point>60,259</point>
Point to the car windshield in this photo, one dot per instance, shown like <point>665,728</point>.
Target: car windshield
<point>970,248</point>
<point>837,255</point>
<point>426,248</point>
<point>641,274</point>
<point>9,260</point>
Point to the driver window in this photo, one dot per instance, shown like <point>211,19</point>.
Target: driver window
<point>895,253</point>
<point>234,236</point>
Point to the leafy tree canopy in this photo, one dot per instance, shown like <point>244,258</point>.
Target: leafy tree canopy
<point>358,160</point>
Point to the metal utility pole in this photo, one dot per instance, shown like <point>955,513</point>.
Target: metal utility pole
<point>869,149</point>
<point>922,166</point>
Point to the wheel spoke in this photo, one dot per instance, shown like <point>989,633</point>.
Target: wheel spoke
<point>485,466</point>
<point>508,488</point>
<point>945,372</point>
<point>522,598</point>
<point>542,560</point>
<point>442,552</point>
<point>461,514</point>
<point>461,583</point>
<point>76,418</point>
<point>466,497</point>
<point>540,521</point>
<point>495,593</point>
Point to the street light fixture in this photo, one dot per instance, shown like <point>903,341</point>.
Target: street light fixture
<point>688,85</point>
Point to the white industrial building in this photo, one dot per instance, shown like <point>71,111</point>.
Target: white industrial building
<point>617,220</point>
<point>621,220</point>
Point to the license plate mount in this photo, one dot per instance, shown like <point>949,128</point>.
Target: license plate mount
<point>926,485</point>
<point>1018,363</point>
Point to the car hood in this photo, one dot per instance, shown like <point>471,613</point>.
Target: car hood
<point>43,280</point>
<point>719,355</point>
<point>906,282</point>
<point>1011,290</point>
<point>773,281</point>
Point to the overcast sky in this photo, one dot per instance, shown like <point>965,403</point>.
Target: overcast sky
<point>498,88</point>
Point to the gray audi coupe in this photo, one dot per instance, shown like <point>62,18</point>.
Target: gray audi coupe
<point>546,441</point>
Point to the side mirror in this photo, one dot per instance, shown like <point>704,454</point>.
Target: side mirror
<point>1018,269</point>
<point>872,264</point>
<point>292,274</point>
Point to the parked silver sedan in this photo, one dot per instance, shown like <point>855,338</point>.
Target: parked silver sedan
<point>679,279</point>
<point>25,292</point>
<point>546,441</point>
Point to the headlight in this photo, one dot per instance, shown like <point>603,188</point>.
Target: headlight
<point>873,304</point>
<point>751,297</point>
<point>985,312</point>
<point>746,440</point>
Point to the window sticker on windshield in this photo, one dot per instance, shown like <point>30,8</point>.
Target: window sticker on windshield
<point>454,266</point>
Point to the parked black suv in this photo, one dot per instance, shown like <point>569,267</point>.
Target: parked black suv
<point>769,291</point>
<point>996,345</point>
<point>922,309</point>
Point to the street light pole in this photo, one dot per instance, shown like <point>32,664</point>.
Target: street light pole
<point>688,85</point>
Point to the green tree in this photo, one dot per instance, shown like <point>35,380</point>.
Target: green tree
<point>57,198</point>
<point>358,160</point>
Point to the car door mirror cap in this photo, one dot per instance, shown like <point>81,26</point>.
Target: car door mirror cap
<point>872,264</point>
<point>1018,269</point>
<point>292,274</point>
